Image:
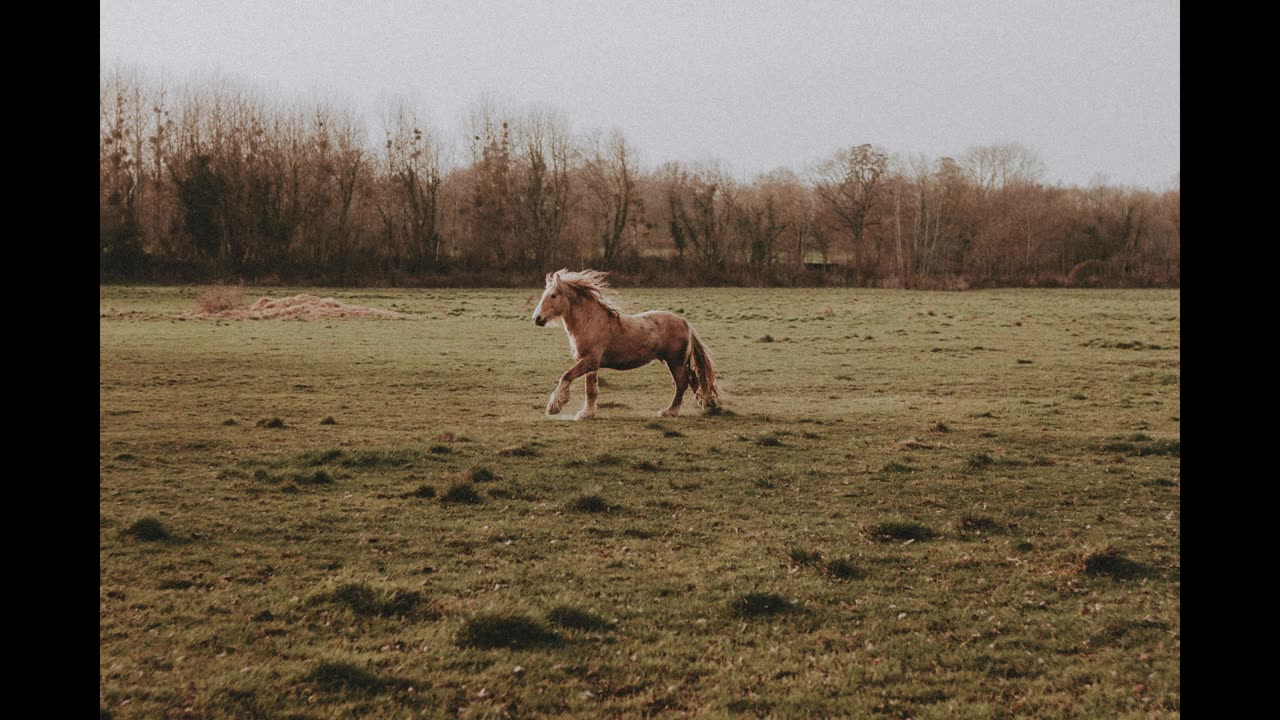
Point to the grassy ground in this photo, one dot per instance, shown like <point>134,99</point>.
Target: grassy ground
<point>921,505</point>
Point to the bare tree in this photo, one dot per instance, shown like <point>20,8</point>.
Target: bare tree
<point>120,167</point>
<point>543,187</point>
<point>849,184</point>
<point>701,202</point>
<point>995,167</point>
<point>411,213</point>
<point>492,210</point>
<point>609,178</point>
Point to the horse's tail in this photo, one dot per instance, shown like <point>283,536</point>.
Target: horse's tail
<point>698,361</point>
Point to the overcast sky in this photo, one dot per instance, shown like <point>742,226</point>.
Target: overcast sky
<point>1092,86</point>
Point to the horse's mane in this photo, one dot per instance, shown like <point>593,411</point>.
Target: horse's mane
<point>593,285</point>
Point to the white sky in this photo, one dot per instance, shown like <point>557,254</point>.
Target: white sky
<point>1092,86</point>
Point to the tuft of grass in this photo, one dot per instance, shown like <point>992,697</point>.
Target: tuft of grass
<point>769,440</point>
<point>440,450</point>
<point>422,491</point>
<point>1172,448</point>
<point>175,584</point>
<point>589,504</point>
<point>1111,562</point>
<point>970,522</point>
<point>481,474</point>
<point>1130,633</point>
<point>505,631</point>
<point>897,467</point>
<point>844,569</point>
<point>372,459</point>
<point>672,433</point>
<point>901,530</point>
<point>518,451</point>
<point>1143,448</point>
<point>717,411</point>
<point>979,461</point>
<point>229,422</point>
<point>754,605</point>
<point>800,556</point>
<point>274,422</point>
<point>364,601</point>
<point>765,339</point>
<point>940,427</point>
<point>347,678</point>
<point>645,466</point>
<point>321,457</point>
<point>328,421</point>
<point>575,619</point>
<point>608,459</point>
<point>149,529</point>
<point>463,493</point>
<point>319,477</point>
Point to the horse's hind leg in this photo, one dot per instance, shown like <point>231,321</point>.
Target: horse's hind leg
<point>680,375</point>
<point>589,409</point>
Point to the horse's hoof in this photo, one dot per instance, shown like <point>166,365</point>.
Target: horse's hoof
<point>584,415</point>
<point>668,413</point>
<point>553,409</point>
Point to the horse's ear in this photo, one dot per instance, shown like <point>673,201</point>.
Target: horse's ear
<point>550,276</point>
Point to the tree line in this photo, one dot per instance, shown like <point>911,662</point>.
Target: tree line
<point>210,181</point>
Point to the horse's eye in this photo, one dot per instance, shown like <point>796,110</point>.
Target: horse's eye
<point>553,296</point>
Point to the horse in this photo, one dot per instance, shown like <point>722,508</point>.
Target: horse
<point>601,336</point>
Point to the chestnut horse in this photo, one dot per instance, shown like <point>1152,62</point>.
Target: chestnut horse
<point>600,336</point>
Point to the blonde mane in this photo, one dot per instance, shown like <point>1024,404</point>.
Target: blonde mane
<point>593,285</point>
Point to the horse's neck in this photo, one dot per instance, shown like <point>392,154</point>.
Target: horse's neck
<point>584,320</point>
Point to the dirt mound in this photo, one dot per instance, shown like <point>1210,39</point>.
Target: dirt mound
<point>299,307</point>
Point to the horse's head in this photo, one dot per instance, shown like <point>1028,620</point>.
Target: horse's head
<point>554,302</point>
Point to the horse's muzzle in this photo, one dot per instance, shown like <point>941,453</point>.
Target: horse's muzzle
<point>539,322</point>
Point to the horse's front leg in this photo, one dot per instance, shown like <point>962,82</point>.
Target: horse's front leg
<point>589,409</point>
<point>560,395</point>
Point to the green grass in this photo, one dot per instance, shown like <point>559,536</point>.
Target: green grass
<point>790,556</point>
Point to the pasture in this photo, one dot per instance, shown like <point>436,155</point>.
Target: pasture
<point>918,505</point>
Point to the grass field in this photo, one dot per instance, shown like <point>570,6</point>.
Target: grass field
<point>921,505</point>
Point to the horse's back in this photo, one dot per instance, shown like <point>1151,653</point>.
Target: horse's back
<point>645,337</point>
